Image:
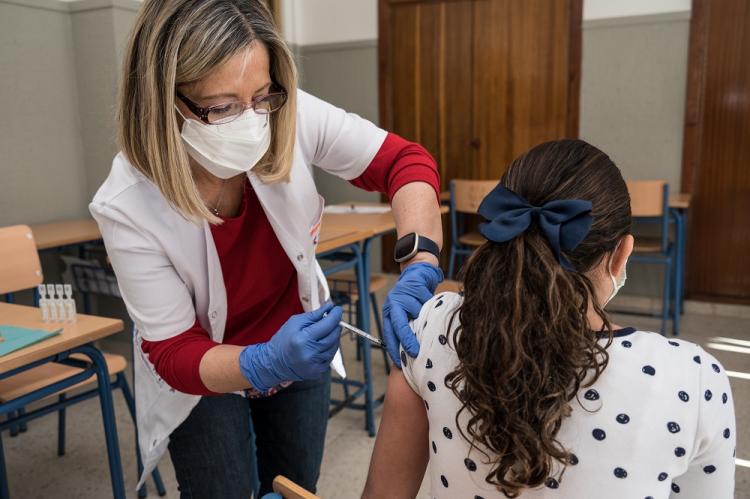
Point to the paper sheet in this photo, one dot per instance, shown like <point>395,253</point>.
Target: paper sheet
<point>355,209</point>
<point>338,364</point>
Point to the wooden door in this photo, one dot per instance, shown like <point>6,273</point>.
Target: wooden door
<point>478,82</point>
<point>716,151</point>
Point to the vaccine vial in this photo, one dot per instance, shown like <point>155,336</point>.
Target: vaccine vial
<point>43,304</point>
<point>70,304</point>
<point>60,303</point>
<point>51,303</point>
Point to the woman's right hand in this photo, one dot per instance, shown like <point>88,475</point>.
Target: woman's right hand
<point>302,349</point>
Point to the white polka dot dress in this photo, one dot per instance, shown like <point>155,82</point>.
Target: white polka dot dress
<point>658,423</point>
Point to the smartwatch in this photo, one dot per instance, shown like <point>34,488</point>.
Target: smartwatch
<point>411,244</point>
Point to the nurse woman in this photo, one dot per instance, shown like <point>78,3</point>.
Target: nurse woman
<point>210,217</point>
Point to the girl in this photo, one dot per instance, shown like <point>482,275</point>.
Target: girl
<point>523,386</point>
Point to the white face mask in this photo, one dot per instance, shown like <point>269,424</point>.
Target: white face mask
<point>231,148</point>
<point>617,283</point>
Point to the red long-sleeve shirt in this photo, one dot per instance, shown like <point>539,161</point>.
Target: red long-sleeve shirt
<point>260,281</point>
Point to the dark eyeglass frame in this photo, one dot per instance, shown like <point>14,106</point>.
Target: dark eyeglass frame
<point>203,112</point>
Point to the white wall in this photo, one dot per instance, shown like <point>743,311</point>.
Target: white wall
<point>315,22</point>
<point>602,9</point>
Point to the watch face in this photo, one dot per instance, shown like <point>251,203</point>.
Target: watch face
<point>406,247</point>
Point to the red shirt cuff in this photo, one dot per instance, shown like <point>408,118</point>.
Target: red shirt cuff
<point>177,360</point>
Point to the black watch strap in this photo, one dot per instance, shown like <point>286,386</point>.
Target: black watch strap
<point>408,246</point>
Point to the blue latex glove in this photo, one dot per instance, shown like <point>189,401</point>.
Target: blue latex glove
<point>302,349</point>
<point>415,286</point>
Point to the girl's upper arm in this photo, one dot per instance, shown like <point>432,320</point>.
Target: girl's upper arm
<point>711,469</point>
<point>341,143</point>
<point>402,448</point>
<point>401,451</point>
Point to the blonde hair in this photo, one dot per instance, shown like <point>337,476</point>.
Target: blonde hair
<point>175,42</point>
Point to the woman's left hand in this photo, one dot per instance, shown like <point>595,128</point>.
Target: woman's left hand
<point>415,286</point>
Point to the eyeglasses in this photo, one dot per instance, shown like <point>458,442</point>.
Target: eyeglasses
<point>226,113</point>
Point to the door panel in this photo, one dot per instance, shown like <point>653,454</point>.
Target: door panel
<point>719,232</point>
<point>477,82</point>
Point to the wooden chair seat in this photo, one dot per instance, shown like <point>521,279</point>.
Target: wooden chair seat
<point>472,239</point>
<point>46,374</point>
<point>647,245</point>
<point>449,286</point>
<point>346,282</point>
<point>290,490</point>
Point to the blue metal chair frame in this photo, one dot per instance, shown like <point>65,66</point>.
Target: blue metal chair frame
<point>666,256</point>
<point>122,384</point>
<point>356,257</point>
<point>680,220</point>
<point>98,368</point>
<point>457,228</point>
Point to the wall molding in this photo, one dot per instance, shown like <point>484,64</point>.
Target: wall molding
<point>333,47</point>
<point>77,5</point>
<point>613,22</point>
<point>88,5</point>
<point>53,5</point>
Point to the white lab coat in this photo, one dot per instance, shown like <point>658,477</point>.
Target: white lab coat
<point>168,269</point>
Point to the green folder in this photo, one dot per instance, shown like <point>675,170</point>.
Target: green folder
<point>14,338</point>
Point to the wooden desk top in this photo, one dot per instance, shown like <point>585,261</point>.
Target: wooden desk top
<point>332,236</point>
<point>378,223</point>
<point>680,200</point>
<point>88,328</point>
<point>55,234</point>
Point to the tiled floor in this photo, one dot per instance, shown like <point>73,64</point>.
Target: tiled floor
<point>35,471</point>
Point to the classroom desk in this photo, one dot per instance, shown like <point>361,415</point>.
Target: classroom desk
<point>378,223</point>
<point>75,338</point>
<point>680,201</point>
<point>65,233</point>
<point>333,237</point>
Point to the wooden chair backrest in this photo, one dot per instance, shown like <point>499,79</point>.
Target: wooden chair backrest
<point>19,260</point>
<point>468,194</point>
<point>290,490</point>
<point>448,285</point>
<point>646,197</point>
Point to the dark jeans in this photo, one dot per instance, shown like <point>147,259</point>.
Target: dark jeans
<point>212,450</point>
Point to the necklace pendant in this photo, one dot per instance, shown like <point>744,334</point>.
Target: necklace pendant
<point>215,211</point>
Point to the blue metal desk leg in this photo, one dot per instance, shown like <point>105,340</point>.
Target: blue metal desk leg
<point>683,226</point>
<point>679,269</point>
<point>4,492</point>
<point>363,288</point>
<point>108,418</point>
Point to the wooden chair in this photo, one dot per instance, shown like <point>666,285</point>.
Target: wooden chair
<point>465,198</point>
<point>290,490</point>
<point>19,261</point>
<point>449,286</point>
<point>649,203</point>
<point>20,269</point>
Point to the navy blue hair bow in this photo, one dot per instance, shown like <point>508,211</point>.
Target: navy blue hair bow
<point>563,222</point>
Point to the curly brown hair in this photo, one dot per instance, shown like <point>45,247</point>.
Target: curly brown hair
<point>523,340</point>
